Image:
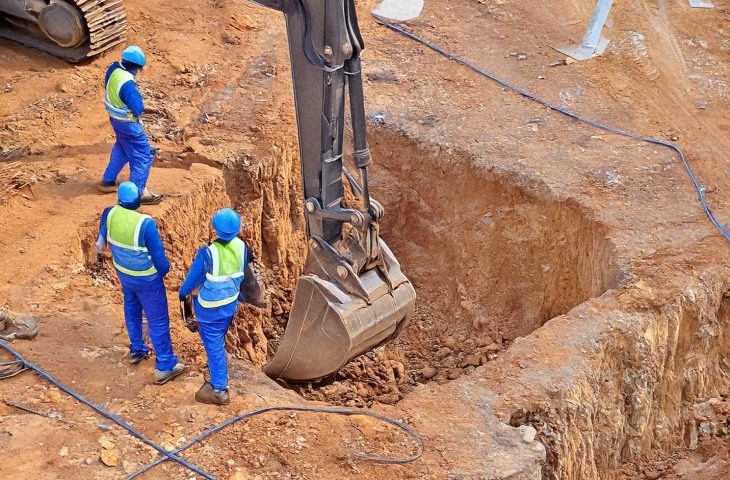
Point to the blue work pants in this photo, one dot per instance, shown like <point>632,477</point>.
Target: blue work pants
<point>130,147</point>
<point>151,298</point>
<point>213,328</point>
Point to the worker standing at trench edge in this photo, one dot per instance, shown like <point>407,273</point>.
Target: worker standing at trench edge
<point>124,105</point>
<point>139,259</point>
<point>221,271</point>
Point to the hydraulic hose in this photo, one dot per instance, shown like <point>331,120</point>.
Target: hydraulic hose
<point>656,141</point>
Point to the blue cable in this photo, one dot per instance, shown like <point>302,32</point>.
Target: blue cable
<point>106,413</point>
<point>338,411</point>
<point>173,454</point>
<point>700,189</point>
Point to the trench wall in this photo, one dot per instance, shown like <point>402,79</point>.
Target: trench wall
<point>629,378</point>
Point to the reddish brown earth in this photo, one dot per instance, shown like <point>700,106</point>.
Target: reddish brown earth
<point>567,278</point>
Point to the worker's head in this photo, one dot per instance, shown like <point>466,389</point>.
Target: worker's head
<point>226,223</point>
<point>128,195</point>
<point>133,57</point>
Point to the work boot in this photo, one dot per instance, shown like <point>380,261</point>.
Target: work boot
<point>164,377</point>
<point>207,394</point>
<point>136,357</point>
<point>149,198</point>
<point>107,187</point>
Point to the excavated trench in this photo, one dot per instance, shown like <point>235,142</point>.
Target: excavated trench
<point>491,260</point>
<point>492,256</point>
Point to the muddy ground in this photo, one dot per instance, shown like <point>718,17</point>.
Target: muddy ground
<point>568,280</point>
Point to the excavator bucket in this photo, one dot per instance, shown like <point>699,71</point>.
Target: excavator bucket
<point>328,327</point>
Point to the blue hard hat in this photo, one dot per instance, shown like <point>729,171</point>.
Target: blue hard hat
<point>226,223</point>
<point>134,54</point>
<point>127,194</point>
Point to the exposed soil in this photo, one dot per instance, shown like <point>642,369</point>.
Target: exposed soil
<point>567,279</point>
<point>493,273</point>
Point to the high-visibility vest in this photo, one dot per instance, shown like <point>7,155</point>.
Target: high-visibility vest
<point>114,105</point>
<point>223,280</point>
<point>124,235</point>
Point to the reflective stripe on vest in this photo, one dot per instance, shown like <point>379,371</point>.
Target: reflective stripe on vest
<point>124,235</point>
<point>113,103</point>
<point>223,281</point>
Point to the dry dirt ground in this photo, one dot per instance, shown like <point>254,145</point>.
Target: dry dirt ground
<point>568,280</point>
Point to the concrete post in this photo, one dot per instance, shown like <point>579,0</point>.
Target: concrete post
<point>701,4</point>
<point>592,44</point>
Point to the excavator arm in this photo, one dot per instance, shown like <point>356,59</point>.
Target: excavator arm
<point>353,295</point>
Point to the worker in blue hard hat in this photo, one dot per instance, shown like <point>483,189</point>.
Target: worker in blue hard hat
<point>124,105</point>
<point>139,259</point>
<point>220,272</point>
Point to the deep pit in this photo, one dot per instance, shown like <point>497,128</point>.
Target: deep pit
<point>491,260</point>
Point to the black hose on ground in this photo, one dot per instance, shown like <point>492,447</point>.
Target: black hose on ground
<point>327,410</point>
<point>172,455</point>
<point>656,141</point>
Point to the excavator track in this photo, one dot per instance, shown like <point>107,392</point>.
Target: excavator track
<point>105,23</point>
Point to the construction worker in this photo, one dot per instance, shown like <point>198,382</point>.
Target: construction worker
<point>218,272</point>
<point>140,262</point>
<point>124,104</point>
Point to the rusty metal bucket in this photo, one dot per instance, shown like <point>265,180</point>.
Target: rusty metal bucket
<point>328,326</point>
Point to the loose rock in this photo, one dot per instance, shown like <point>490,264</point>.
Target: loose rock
<point>449,342</point>
<point>428,373</point>
<point>528,433</point>
<point>471,360</point>
<point>443,353</point>
<point>110,457</point>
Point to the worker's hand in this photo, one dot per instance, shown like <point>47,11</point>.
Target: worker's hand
<point>188,314</point>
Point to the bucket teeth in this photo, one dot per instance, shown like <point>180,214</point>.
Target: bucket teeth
<point>328,327</point>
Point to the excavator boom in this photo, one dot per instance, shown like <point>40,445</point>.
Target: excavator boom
<point>353,295</point>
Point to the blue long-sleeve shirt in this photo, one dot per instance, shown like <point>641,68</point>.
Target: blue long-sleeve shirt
<point>152,241</point>
<point>128,93</point>
<point>202,264</point>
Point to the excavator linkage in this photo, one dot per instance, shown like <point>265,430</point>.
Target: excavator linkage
<point>353,295</point>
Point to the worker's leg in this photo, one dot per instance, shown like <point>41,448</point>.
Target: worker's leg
<point>117,160</point>
<point>154,303</point>
<point>213,333</point>
<point>137,148</point>
<point>133,319</point>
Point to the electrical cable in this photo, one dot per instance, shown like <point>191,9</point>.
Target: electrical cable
<point>172,455</point>
<point>327,410</point>
<point>698,187</point>
<point>11,369</point>
<point>105,413</point>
